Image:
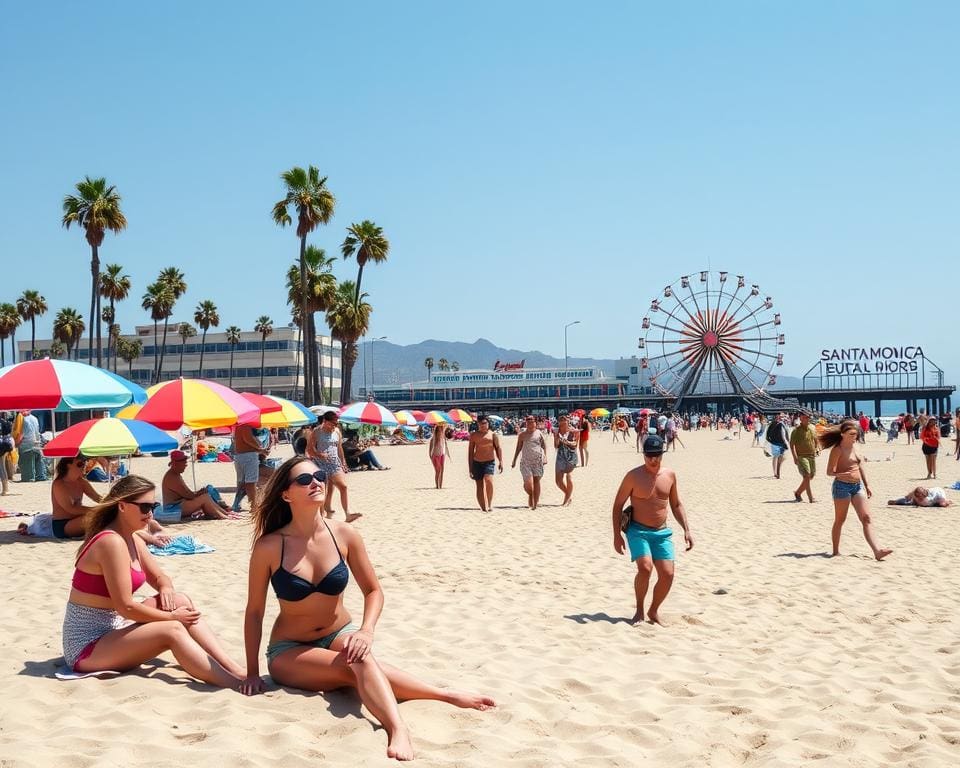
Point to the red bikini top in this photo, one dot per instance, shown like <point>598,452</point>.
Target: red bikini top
<point>94,583</point>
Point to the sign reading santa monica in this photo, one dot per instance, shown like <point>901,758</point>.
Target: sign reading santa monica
<point>853,361</point>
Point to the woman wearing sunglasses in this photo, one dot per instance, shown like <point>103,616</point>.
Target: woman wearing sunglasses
<point>314,643</point>
<point>105,626</point>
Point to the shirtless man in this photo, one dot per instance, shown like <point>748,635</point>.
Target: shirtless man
<point>483,457</point>
<point>532,450</point>
<point>649,488</point>
<point>178,499</point>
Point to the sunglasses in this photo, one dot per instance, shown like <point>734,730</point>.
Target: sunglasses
<point>80,463</point>
<point>306,478</point>
<point>145,506</point>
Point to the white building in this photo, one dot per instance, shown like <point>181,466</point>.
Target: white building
<point>282,360</point>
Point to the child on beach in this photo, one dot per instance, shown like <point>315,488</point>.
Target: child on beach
<point>314,644</point>
<point>850,485</point>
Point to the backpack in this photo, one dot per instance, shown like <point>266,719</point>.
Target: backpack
<point>774,433</point>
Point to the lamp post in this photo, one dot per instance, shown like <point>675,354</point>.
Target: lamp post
<point>373,380</point>
<point>565,357</point>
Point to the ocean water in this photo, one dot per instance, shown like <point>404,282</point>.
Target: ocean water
<point>888,408</point>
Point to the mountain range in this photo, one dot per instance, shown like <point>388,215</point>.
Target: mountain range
<point>384,363</point>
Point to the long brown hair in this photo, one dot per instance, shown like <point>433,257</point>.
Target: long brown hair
<point>831,435</point>
<point>104,513</point>
<point>272,511</point>
<point>64,464</point>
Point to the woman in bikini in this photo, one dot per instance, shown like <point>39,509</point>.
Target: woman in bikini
<point>850,485</point>
<point>105,627</point>
<point>439,451</point>
<point>314,644</point>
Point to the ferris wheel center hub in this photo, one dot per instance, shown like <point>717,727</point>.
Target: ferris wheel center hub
<point>710,339</point>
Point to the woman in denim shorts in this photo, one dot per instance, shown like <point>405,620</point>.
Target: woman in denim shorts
<point>849,483</point>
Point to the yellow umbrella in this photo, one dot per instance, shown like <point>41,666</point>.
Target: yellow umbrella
<point>458,414</point>
<point>291,414</point>
<point>599,413</point>
<point>406,418</point>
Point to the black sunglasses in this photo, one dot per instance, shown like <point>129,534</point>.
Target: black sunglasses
<point>146,506</point>
<point>306,478</point>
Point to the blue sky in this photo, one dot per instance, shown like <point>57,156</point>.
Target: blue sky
<point>532,163</point>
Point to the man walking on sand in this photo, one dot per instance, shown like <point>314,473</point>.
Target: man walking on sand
<point>483,458</point>
<point>803,446</point>
<point>649,488</point>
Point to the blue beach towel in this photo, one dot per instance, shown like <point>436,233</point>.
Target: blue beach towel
<point>181,545</point>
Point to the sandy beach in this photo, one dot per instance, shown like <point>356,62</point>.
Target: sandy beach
<point>773,653</point>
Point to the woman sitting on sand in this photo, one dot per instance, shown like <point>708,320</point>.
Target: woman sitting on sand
<point>314,645</point>
<point>850,486</point>
<point>66,497</point>
<point>923,497</point>
<point>105,627</point>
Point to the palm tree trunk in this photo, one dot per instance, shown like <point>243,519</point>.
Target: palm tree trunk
<point>156,351</point>
<point>163,348</point>
<point>94,284</point>
<point>308,359</point>
<point>33,337</point>
<point>296,374</point>
<point>182,345</point>
<point>263,350</point>
<point>13,347</point>
<point>356,298</point>
<point>203,346</point>
<point>232,347</point>
<point>316,364</point>
<point>111,344</point>
<point>99,319</point>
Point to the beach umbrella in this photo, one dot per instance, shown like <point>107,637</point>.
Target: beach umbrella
<point>288,414</point>
<point>599,413</point>
<point>319,410</point>
<point>494,419</point>
<point>419,415</point>
<point>646,411</point>
<point>406,418</point>
<point>63,385</point>
<point>436,417</point>
<point>368,413</point>
<point>622,411</point>
<point>195,403</point>
<point>264,403</point>
<point>109,437</point>
<point>578,412</point>
<point>458,414</point>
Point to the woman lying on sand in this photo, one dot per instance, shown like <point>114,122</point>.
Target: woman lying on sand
<point>105,627</point>
<point>923,497</point>
<point>314,645</point>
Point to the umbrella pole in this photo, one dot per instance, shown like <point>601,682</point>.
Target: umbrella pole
<point>193,457</point>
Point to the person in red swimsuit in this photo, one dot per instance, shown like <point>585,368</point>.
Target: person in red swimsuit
<point>584,439</point>
<point>105,627</point>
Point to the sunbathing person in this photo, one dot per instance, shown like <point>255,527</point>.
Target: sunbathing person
<point>314,644</point>
<point>105,627</point>
<point>357,456</point>
<point>180,503</point>
<point>923,497</point>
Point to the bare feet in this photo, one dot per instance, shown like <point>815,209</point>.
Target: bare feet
<point>882,553</point>
<point>470,700</point>
<point>637,618</point>
<point>399,746</point>
<point>354,516</point>
<point>654,618</point>
<point>797,497</point>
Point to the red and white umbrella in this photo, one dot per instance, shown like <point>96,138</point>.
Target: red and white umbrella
<point>368,413</point>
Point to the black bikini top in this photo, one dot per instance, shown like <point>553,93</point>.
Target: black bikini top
<point>290,587</point>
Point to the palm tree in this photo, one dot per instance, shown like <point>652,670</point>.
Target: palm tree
<point>321,291</point>
<point>443,365</point>
<point>233,338</point>
<point>428,364</point>
<point>307,193</point>
<point>115,286</point>
<point>96,208</point>
<point>454,366</point>
<point>114,334</point>
<point>205,315</point>
<point>57,349</point>
<point>264,326</point>
<point>68,328</point>
<point>157,299</point>
<point>186,331</point>
<point>129,350</point>
<point>173,279</point>
<point>32,305</point>
<point>366,241</point>
<point>348,320</point>
<point>9,320</point>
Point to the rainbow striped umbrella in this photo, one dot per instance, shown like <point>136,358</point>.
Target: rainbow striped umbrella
<point>63,385</point>
<point>288,413</point>
<point>599,413</point>
<point>368,413</point>
<point>436,417</point>
<point>406,418</point>
<point>109,437</point>
<point>197,404</point>
<point>460,415</point>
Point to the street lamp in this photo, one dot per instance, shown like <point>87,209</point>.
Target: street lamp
<point>373,380</point>
<point>565,357</point>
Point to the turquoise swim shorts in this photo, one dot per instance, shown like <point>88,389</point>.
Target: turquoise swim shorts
<point>649,542</point>
<point>279,646</point>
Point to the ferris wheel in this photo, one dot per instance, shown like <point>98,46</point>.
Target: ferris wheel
<point>711,334</point>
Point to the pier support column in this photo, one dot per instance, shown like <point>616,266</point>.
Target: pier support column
<point>876,408</point>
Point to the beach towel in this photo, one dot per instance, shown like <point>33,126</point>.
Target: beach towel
<point>181,545</point>
<point>65,673</point>
<point>956,486</point>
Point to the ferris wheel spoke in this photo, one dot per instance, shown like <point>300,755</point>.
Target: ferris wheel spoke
<point>696,321</point>
<point>695,302</point>
<point>668,328</point>
<point>733,297</point>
